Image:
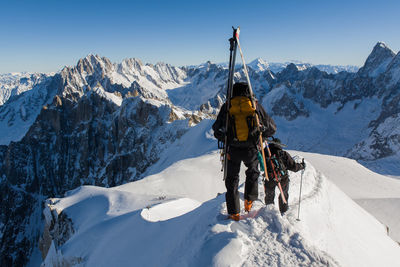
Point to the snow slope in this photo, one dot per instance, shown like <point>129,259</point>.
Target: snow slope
<point>322,124</point>
<point>13,84</point>
<point>378,194</point>
<point>174,218</point>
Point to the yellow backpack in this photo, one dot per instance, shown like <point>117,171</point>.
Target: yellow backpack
<point>242,114</point>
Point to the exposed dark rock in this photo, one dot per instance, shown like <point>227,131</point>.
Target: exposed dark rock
<point>91,141</point>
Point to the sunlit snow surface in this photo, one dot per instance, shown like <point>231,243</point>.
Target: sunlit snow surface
<point>177,218</point>
<point>378,194</point>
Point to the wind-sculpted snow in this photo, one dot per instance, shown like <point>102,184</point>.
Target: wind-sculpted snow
<point>278,244</point>
<point>183,224</point>
<point>376,193</point>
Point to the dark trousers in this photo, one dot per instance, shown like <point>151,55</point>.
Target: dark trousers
<point>270,192</point>
<point>249,158</point>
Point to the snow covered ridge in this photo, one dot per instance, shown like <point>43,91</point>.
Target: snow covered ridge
<point>377,194</point>
<point>27,91</point>
<point>13,84</point>
<point>180,221</point>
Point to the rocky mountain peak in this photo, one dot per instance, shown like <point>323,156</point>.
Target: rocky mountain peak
<point>377,61</point>
<point>381,45</point>
<point>289,73</point>
<point>292,68</point>
<point>392,74</point>
<point>395,63</point>
<point>259,64</point>
<point>132,63</point>
<point>93,63</point>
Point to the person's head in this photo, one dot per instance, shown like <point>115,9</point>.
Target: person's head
<point>274,148</point>
<point>275,145</point>
<point>240,89</point>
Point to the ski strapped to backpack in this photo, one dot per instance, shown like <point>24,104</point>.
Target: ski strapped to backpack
<point>258,124</point>
<point>232,58</point>
<point>275,162</point>
<point>275,174</point>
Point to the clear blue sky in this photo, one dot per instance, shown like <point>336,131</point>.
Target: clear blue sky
<point>43,36</point>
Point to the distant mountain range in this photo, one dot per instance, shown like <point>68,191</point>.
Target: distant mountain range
<point>104,123</point>
<point>12,84</point>
<point>260,64</point>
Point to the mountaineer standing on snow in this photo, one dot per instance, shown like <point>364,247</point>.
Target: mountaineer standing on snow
<point>282,162</point>
<point>242,144</point>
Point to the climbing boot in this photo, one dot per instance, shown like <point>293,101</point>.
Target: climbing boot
<point>235,217</point>
<point>247,205</point>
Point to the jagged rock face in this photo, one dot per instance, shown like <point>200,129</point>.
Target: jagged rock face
<point>384,139</point>
<point>289,108</point>
<point>20,219</point>
<point>89,130</point>
<point>92,141</point>
<point>150,80</point>
<point>377,61</point>
<point>58,228</point>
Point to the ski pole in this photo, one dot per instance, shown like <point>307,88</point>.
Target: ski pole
<point>301,183</point>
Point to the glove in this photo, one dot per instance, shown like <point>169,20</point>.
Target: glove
<point>277,140</point>
<point>264,130</point>
<point>220,134</point>
<point>303,164</point>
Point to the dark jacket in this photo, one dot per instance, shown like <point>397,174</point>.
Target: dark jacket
<point>269,126</point>
<point>286,159</point>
